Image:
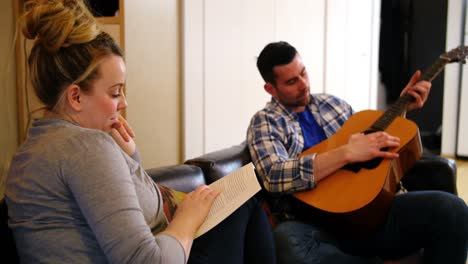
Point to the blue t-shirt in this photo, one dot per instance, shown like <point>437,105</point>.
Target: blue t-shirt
<point>313,133</point>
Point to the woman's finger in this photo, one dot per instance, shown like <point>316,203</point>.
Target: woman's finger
<point>122,131</point>
<point>127,126</point>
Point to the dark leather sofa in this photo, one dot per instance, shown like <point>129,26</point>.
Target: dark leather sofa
<point>208,168</point>
<point>439,174</point>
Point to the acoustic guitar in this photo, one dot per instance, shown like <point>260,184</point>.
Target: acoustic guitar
<point>356,198</point>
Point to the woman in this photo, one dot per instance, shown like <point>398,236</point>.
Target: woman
<point>74,194</point>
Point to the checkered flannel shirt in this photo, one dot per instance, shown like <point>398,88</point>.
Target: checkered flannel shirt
<point>275,140</point>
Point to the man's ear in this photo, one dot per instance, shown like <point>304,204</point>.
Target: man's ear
<point>270,89</point>
<point>73,96</point>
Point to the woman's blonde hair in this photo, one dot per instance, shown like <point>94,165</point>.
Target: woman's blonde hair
<point>68,47</point>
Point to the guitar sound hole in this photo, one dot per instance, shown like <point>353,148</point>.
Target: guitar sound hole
<point>356,167</point>
<point>370,164</point>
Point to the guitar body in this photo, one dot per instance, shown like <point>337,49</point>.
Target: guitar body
<point>357,200</point>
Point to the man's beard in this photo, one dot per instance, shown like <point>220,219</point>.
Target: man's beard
<point>297,103</point>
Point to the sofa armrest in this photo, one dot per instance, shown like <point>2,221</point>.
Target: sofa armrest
<point>7,242</point>
<point>432,173</point>
<point>218,164</point>
<point>183,178</point>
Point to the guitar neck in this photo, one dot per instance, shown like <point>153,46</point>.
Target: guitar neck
<point>397,108</point>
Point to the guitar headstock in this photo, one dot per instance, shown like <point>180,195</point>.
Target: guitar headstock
<point>456,55</point>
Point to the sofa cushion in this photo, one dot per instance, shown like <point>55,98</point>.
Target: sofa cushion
<point>183,178</point>
<point>218,164</point>
<point>7,243</point>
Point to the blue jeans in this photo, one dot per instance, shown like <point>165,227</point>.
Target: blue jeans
<point>243,237</point>
<point>301,243</point>
<point>434,221</point>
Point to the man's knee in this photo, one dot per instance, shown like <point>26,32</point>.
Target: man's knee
<point>297,242</point>
<point>451,212</point>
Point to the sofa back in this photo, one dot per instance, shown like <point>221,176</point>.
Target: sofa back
<point>218,164</point>
<point>183,177</point>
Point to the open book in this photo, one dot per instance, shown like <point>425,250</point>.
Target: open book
<point>236,188</point>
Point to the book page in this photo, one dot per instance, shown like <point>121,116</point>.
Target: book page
<point>236,188</point>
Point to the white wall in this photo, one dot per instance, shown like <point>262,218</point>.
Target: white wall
<point>222,87</point>
<point>462,143</point>
<point>352,41</point>
<point>153,52</point>
<point>153,79</point>
<point>157,75</point>
<point>451,78</point>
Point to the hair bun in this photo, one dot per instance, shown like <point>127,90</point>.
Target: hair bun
<point>58,23</point>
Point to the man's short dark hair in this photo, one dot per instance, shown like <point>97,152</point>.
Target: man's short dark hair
<point>274,54</point>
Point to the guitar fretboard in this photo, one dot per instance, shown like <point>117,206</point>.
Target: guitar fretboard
<point>397,108</point>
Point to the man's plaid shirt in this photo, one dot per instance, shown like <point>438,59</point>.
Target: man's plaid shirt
<point>275,140</point>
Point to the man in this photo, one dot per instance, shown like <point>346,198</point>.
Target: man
<point>294,121</point>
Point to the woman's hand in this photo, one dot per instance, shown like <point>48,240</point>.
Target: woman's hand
<point>363,147</point>
<point>124,129</point>
<point>190,214</point>
<point>123,134</point>
<point>418,89</point>
<point>195,206</point>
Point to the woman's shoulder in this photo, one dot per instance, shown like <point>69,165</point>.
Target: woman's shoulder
<point>88,136</point>
<point>75,149</point>
<point>63,136</point>
<point>73,132</point>
<point>90,140</point>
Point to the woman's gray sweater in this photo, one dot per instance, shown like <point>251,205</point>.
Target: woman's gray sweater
<point>74,196</point>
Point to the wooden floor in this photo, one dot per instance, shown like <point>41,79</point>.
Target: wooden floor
<point>462,179</point>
